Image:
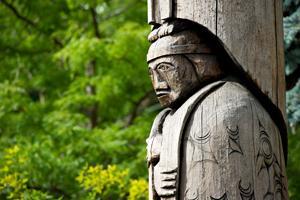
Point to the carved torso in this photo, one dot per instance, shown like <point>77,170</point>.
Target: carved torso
<point>228,147</point>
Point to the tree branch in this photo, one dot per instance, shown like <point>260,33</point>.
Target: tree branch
<point>17,14</point>
<point>143,102</point>
<point>119,11</point>
<point>293,78</point>
<point>28,21</point>
<point>13,49</point>
<point>92,110</point>
<point>95,22</point>
<point>116,13</point>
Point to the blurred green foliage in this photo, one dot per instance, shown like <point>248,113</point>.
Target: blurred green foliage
<point>293,169</point>
<point>72,91</point>
<point>76,104</point>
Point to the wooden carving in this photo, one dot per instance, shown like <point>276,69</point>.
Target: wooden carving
<point>251,30</point>
<point>215,139</point>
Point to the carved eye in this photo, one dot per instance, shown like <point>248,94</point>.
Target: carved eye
<point>165,67</point>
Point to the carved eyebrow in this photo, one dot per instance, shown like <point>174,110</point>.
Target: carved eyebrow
<point>166,63</point>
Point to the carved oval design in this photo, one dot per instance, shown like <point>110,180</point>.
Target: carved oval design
<point>191,194</point>
<point>247,192</point>
<point>266,148</point>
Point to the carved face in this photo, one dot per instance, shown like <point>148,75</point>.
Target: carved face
<point>174,78</point>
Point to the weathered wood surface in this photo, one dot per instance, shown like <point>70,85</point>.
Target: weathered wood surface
<point>251,30</point>
<point>280,57</point>
<point>251,23</point>
<point>232,150</point>
<point>223,142</point>
<point>196,10</point>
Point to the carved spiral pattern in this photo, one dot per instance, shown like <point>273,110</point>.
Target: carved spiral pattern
<point>246,193</point>
<point>266,148</point>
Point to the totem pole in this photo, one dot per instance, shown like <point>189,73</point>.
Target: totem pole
<point>217,69</point>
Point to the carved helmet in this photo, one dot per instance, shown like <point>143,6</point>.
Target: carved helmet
<point>177,38</point>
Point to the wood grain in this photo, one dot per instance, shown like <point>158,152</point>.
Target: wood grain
<point>166,9</point>
<point>232,149</point>
<point>154,12</point>
<point>251,24</point>
<point>280,57</point>
<point>203,12</point>
<point>151,11</point>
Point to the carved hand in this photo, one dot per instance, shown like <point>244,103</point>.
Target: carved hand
<point>165,181</point>
<point>153,149</point>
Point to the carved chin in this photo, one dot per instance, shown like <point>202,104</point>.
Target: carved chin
<point>167,100</point>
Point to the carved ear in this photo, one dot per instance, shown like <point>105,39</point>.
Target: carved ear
<point>206,65</point>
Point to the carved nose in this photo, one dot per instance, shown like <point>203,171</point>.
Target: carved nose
<point>159,83</point>
<point>162,85</point>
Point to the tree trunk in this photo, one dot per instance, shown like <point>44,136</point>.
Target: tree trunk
<point>92,110</point>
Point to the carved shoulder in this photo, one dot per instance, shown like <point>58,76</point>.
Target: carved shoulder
<point>224,117</point>
<point>230,126</point>
<point>223,113</point>
<point>229,102</point>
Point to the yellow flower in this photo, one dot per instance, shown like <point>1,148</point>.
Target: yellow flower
<point>100,180</point>
<point>138,190</point>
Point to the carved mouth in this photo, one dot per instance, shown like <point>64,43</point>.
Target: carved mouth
<point>160,93</point>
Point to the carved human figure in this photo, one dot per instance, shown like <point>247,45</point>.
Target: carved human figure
<point>214,139</point>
